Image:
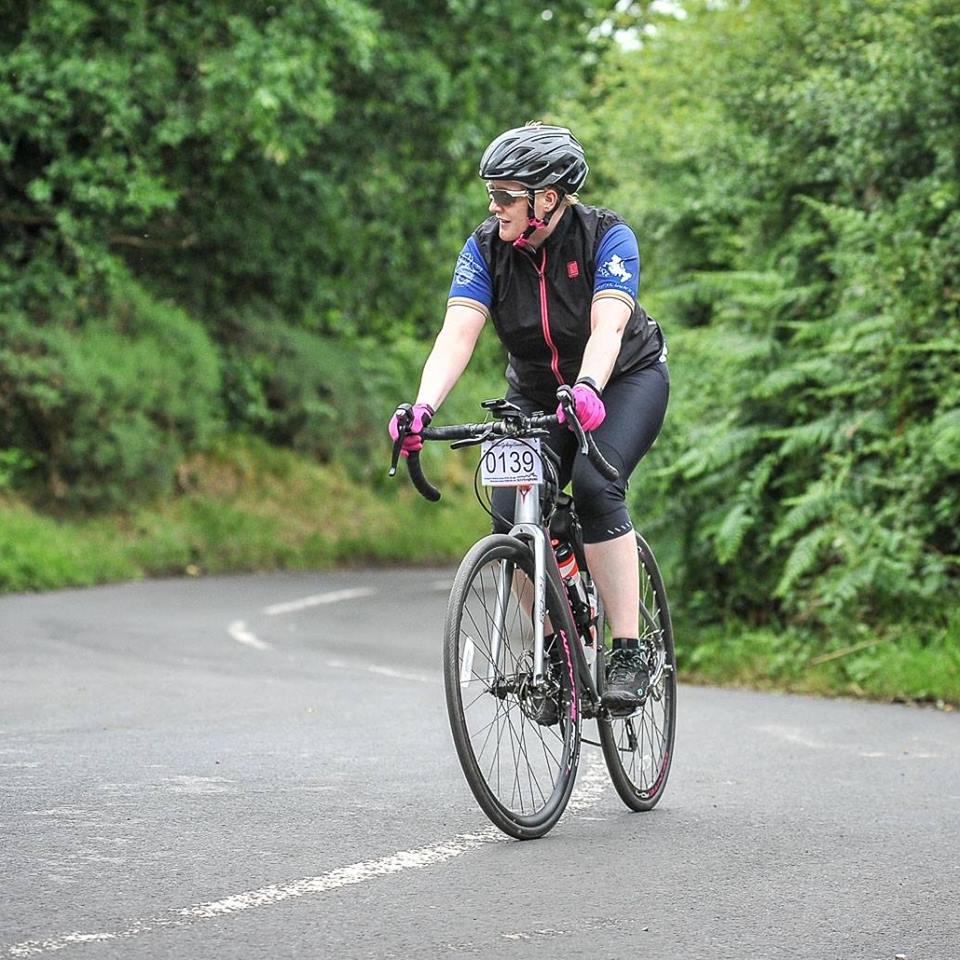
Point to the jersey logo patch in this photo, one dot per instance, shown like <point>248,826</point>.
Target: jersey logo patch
<point>615,267</point>
<point>573,269</point>
<point>467,269</point>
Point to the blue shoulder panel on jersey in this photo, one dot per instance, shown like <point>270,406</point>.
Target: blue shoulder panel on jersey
<point>471,278</point>
<point>618,262</point>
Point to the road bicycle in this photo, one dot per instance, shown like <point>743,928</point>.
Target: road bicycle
<point>516,705</point>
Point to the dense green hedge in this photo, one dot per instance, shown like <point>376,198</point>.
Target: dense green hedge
<point>795,172</point>
<point>104,408</point>
<point>293,176</point>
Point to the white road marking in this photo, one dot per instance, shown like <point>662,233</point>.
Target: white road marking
<point>794,735</point>
<point>442,585</point>
<point>318,599</point>
<point>403,674</point>
<point>416,859</point>
<point>198,785</point>
<point>346,876</point>
<point>590,785</point>
<point>238,630</point>
<point>384,671</point>
<point>58,812</point>
<point>591,782</point>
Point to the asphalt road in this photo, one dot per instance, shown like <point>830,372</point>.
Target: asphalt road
<point>261,767</point>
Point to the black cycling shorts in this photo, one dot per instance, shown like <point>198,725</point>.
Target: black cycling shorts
<point>636,403</point>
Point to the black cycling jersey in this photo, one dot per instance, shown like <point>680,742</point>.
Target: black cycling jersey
<point>540,300</point>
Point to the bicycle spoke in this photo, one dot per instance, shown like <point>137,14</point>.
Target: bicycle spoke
<point>546,750</point>
<point>516,761</point>
<point>531,779</point>
<point>516,764</point>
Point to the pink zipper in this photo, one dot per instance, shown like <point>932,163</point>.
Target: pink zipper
<point>545,319</point>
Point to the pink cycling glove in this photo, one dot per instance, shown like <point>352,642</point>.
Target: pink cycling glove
<point>589,407</point>
<point>413,442</point>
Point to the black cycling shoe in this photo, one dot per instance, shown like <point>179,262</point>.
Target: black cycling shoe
<point>628,680</point>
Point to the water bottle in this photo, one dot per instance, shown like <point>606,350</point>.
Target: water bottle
<point>566,561</point>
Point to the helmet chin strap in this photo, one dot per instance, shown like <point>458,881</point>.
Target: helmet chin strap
<point>534,222</point>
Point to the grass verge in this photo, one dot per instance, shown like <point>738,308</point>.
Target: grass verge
<point>898,666</point>
<point>243,506</point>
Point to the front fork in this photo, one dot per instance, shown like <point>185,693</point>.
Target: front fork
<point>526,527</point>
<point>533,533</point>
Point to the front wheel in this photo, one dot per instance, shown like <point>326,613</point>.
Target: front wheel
<point>518,742</point>
<point>639,749</point>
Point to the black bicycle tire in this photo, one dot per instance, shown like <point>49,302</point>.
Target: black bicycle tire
<point>521,827</point>
<point>637,798</point>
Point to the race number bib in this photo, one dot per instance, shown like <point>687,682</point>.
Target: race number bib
<point>511,463</point>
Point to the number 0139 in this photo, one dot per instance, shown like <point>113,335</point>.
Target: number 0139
<point>510,463</point>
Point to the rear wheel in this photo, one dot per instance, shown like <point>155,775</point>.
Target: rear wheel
<point>518,742</point>
<point>639,749</point>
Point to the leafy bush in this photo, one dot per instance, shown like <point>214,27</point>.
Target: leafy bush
<point>320,395</point>
<point>299,166</point>
<point>106,408</point>
<point>797,194</point>
<point>331,398</point>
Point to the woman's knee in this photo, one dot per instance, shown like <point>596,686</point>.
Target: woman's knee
<point>600,504</point>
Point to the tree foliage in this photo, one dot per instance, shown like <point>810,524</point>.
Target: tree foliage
<point>794,169</point>
<point>291,175</point>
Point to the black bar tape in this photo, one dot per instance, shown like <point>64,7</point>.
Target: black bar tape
<point>424,487</point>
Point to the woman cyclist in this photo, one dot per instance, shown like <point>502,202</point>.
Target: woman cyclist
<point>558,279</point>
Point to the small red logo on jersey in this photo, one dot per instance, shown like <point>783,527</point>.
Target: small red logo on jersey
<point>573,270</point>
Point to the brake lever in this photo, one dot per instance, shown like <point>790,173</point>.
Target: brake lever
<point>570,412</point>
<point>404,415</point>
<point>581,434</point>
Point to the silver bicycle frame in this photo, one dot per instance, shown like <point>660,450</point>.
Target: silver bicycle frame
<point>526,527</point>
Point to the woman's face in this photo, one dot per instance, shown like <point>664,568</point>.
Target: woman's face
<point>513,216</point>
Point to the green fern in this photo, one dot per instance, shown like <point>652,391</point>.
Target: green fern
<point>817,434</point>
<point>785,380</point>
<point>731,533</point>
<point>814,504</point>
<point>804,556</point>
<point>718,448</point>
<point>946,439</point>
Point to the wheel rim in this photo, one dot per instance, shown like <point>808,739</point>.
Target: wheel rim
<point>523,762</point>
<point>644,741</point>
